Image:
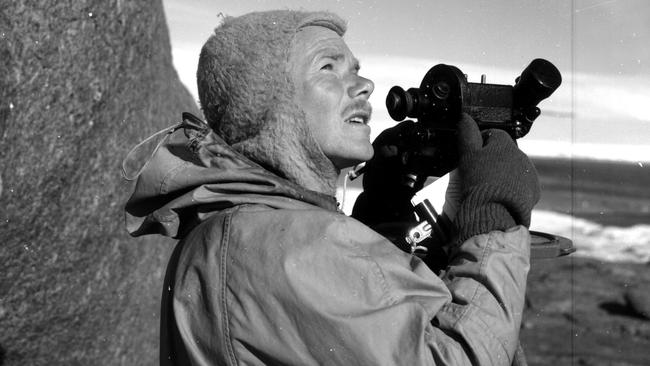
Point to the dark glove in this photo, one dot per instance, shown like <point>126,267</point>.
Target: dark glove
<point>385,199</point>
<point>499,183</point>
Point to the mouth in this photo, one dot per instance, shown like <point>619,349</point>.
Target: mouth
<point>358,118</point>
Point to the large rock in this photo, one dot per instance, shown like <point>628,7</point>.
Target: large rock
<point>80,83</point>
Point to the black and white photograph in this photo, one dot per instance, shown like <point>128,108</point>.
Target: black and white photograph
<point>304,182</point>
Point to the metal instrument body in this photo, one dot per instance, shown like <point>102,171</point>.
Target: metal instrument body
<point>428,146</point>
<point>445,92</point>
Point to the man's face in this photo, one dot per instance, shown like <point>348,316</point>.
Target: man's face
<point>332,94</point>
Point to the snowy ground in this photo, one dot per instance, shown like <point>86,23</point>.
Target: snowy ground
<point>610,243</point>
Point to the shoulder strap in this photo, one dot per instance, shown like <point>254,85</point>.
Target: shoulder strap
<point>131,169</point>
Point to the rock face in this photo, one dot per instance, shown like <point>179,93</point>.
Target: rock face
<point>81,82</point>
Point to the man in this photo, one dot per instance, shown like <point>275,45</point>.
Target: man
<point>268,271</point>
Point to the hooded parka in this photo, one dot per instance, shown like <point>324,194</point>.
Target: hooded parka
<point>268,273</point>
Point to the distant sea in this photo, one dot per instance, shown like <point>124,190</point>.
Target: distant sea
<point>603,206</point>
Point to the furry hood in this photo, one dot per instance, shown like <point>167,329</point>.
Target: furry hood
<point>247,95</point>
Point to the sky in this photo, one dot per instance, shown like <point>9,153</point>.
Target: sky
<point>602,49</point>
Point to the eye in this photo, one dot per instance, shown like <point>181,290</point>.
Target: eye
<point>328,67</point>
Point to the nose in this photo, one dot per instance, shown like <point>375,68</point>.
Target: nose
<point>361,87</point>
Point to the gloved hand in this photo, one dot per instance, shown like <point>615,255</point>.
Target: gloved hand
<point>383,170</point>
<point>385,199</point>
<point>499,183</point>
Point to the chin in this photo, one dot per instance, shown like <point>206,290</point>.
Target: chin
<point>367,155</point>
<point>353,159</point>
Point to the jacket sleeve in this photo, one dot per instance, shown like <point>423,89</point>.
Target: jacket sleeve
<point>405,314</point>
<point>487,281</point>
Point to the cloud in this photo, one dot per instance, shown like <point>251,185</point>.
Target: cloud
<point>596,96</point>
<point>587,110</point>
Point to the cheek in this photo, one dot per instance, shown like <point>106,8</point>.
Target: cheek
<point>322,97</point>
<point>309,101</point>
<point>321,104</point>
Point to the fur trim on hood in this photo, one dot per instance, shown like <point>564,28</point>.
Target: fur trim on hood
<point>247,95</point>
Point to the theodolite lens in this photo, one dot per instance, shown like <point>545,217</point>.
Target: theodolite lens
<point>399,103</point>
<point>536,83</point>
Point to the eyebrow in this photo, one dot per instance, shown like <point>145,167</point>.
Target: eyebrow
<point>339,56</point>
